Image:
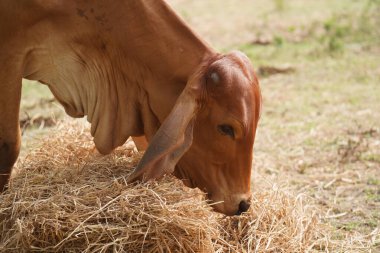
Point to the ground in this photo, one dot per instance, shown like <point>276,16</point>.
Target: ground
<point>319,133</point>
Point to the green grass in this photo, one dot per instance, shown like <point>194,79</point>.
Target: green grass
<point>37,101</point>
<point>373,194</point>
<point>373,181</point>
<point>32,90</point>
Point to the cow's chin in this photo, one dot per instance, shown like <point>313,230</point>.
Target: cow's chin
<point>225,201</point>
<point>228,204</point>
<point>221,207</point>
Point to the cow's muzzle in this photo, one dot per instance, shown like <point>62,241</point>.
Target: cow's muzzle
<point>243,207</point>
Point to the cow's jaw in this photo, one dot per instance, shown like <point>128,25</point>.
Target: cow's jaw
<point>224,197</point>
<point>229,204</point>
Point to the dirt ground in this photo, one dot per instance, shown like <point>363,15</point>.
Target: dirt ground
<point>319,134</point>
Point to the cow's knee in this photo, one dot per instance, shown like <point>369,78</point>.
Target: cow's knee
<point>8,155</point>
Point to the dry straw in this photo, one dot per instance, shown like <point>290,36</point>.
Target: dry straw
<point>64,197</point>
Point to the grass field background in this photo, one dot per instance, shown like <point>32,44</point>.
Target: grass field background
<point>319,68</point>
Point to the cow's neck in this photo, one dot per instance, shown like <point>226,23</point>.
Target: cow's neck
<point>161,39</point>
<point>123,65</point>
<point>169,49</point>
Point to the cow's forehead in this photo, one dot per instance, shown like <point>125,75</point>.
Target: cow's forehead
<point>240,63</point>
<point>233,84</point>
<point>233,70</point>
<point>238,104</point>
<point>235,94</point>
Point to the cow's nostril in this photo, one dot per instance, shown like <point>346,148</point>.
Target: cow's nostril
<point>243,207</point>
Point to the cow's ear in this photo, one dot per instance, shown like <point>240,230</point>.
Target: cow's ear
<point>175,135</point>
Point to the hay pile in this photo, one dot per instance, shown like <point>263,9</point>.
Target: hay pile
<point>64,197</point>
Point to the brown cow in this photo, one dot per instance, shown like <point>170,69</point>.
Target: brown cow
<point>134,68</point>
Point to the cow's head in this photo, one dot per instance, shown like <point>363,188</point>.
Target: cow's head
<point>210,132</point>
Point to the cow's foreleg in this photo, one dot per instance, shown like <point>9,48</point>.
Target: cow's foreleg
<point>10,95</point>
<point>140,142</point>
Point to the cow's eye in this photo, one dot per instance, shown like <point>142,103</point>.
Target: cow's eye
<point>226,130</point>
